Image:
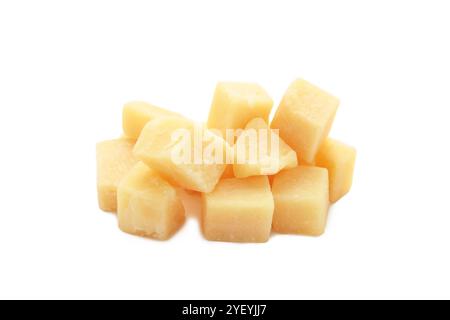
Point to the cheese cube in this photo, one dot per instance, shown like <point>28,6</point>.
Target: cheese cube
<point>148,205</point>
<point>184,153</point>
<point>300,163</point>
<point>136,115</point>
<point>339,159</point>
<point>301,201</point>
<point>260,151</point>
<point>114,160</point>
<point>304,118</point>
<point>235,104</point>
<point>238,210</point>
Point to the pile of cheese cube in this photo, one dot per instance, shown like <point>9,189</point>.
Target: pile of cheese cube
<point>138,178</point>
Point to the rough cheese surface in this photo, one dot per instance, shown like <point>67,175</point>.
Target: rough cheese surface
<point>137,114</point>
<point>148,205</point>
<point>235,104</point>
<point>301,201</point>
<point>339,159</point>
<point>114,160</point>
<point>155,147</point>
<point>304,118</point>
<point>238,210</point>
<point>270,155</point>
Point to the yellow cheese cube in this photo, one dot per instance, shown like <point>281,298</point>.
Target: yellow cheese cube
<point>148,205</point>
<point>301,201</point>
<point>300,163</point>
<point>304,118</point>
<point>238,210</point>
<point>161,145</point>
<point>114,160</point>
<point>260,151</point>
<point>339,159</point>
<point>235,104</point>
<point>136,115</point>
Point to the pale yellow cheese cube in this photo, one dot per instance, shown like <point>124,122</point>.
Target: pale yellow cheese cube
<point>304,118</point>
<point>183,152</point>
<point>238,210</point>
<point>114,159</point>
<point>260,151</point>
<point>235,104</point>
<point>301,201</point>
<point>339,159</point>
<point>300,163</point>
<point>148,205</point>
<point>136,115</point>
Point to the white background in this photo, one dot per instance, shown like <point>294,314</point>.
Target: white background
<point>67,67</point>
